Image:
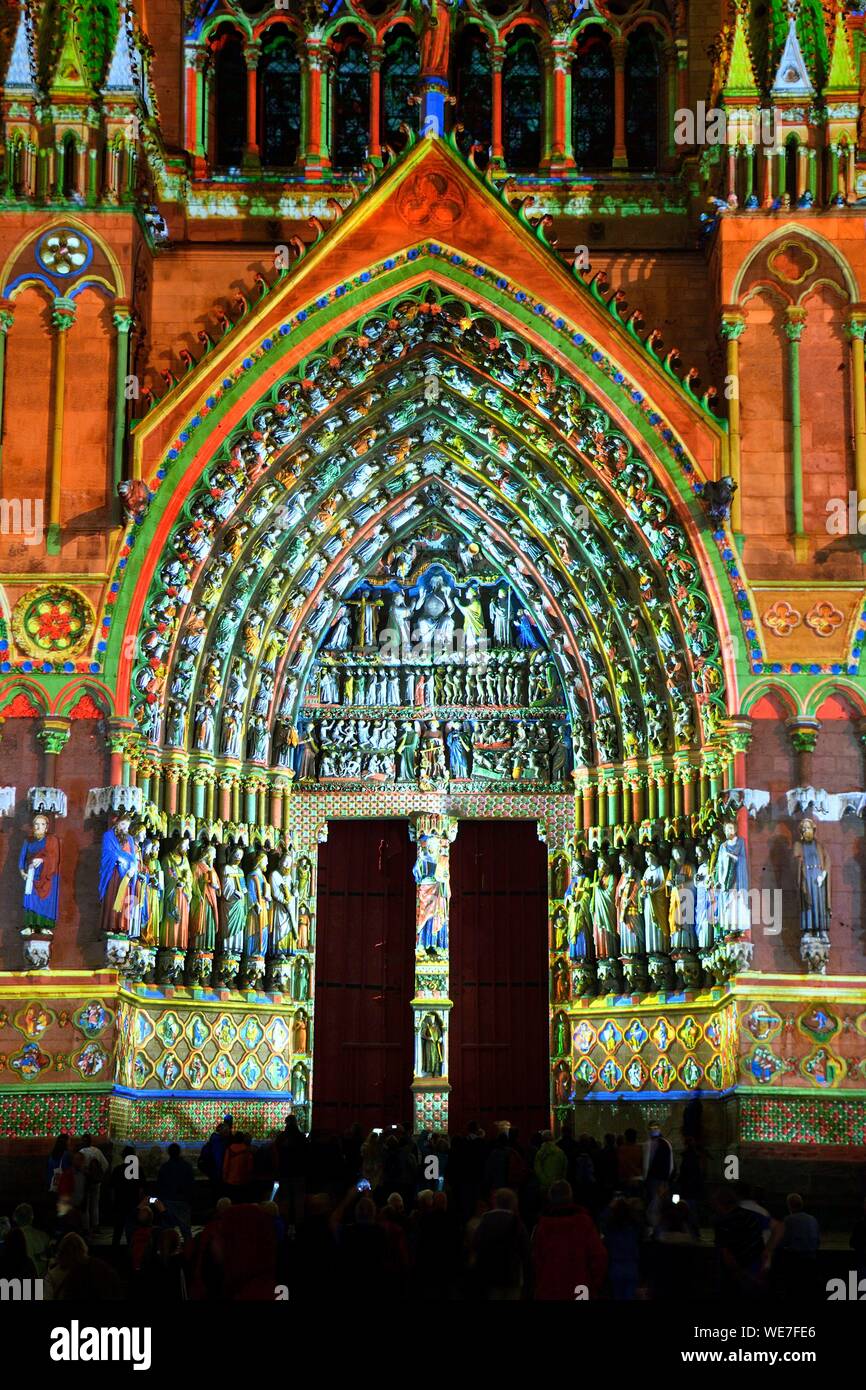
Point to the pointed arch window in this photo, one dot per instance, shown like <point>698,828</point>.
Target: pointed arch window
<point>351,95</point>
<point>400,75</point>
<point>522,100</point>
<point>642,76</point>
<point>280,100</point>
<point>230,89</point>
<point>474,79</point>
<point>592,101</point>
<point>69,186</point>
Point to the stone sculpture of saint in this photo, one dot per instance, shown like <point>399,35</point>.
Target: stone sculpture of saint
<point>39,866</point>
<point>681,888</point>
<point>654,905</point>
<point>174,930</point>
<point>629,920</point>
<point>813,877</point>
<point>154,891</point>
<point>474,630</point>
<point>258,907</point>
<point>284,908</point>
<point>430,872</point>
<point>234,904</point>
<point>577,907</point>
<point>500,614</point>
<point>704,897</point>
<point>603,911</point>
<point>732,882</point>
<point>432,1052</point>
<point>204,906</point>
<point>117,873</point>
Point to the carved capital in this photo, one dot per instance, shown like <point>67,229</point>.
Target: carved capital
<point>53,733</point>
<point>803,733</point>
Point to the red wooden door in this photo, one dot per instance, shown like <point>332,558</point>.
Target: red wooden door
<point>498,1064</point>
<point>365,945</point>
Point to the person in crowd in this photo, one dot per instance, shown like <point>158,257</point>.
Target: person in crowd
<point>433,1243</point>
<point>95,1169</point>
<point>658,1161</point>
<point>81,1277</point>
<point>175,1185</point>
<point>690,1183</point>
<point>291,1160</point>
<point>238,1168</point>
<point>163,1273</point>
<point>801,1232</point>
<point>501,1250</point>
<point>551,1164</point>
<point>392,1219</point>
<point>363,1250</point>
<point>567,1252</point>
<point>621,1229</point>
<point>71,1252</point>
<point>740,1242</point>
<point>126,1193</point>
<point>212,1156</point>
<point>629,1160</point>
<point>37,1241</point>
<point>59,1158</point>
<point>15,1261</point>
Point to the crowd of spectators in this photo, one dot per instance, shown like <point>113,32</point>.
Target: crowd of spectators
<point>402,1216</point>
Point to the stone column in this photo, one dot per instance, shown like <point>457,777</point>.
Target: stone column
<point>803,734</point>
<point>7,309</point>
<point>62,318</point>
<point>794,325</point>
<point>855,329</point>
<point>431,1005</point>
<point>375,151</point>
<point>252,153</point>
<point>123,323</point>
<point>620,153</point>
<point>732,328</point>
<point>497,148</point>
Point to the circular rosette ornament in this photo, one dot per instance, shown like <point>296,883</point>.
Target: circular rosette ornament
<point>63,251</point>
<point>52,621</point>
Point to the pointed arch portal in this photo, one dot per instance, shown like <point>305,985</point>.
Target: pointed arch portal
<point>408,559</point>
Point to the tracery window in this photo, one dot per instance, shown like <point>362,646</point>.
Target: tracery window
<point>70,166</point>
<point>230,88</point>
<point>592,101</point>
<point>351,98</point>
<point>522,101</point>
<point>474,88</point>
<point>280,101</point>
<point>642,100</point>
<point>400,72</point>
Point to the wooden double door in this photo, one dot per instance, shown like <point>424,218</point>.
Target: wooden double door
<point>365,967</point>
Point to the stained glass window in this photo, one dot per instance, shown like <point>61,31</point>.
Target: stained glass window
<point>642,100</point>
<point>400,70</point>
<point>474,88</point>
<point>522,101</point>
<point>230,92</point>
<point>592,103</point>
<point>280,97</point>
<point>351,90</point>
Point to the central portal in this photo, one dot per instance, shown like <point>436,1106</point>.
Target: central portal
<point>431,975</point>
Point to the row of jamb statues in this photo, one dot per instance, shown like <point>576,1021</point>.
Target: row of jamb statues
<point>687,923</point>
<point>170,915</point>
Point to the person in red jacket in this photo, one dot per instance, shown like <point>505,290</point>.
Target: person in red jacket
<point>568,1256</point>
<point>238,1168</point>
